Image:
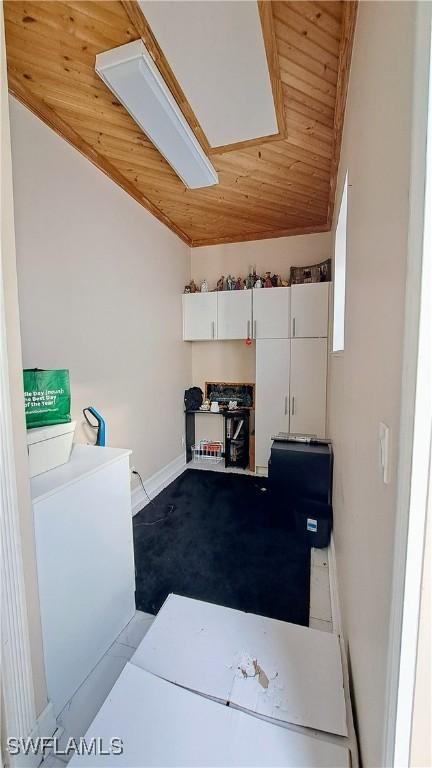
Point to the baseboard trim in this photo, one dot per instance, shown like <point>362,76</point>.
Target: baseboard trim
<point>157,482</point>
<point>334,591</point>
<point>338,630</point>
<point>47,724</point>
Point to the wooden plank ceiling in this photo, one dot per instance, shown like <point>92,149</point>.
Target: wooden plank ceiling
<point>269,187</point>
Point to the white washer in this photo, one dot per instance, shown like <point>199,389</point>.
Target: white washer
<point>85,562</point>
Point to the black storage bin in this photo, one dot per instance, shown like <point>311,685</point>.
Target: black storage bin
<point>314,522</point>
<point>300,470</point>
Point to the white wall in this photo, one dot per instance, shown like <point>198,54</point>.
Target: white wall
<point>276,255</point>
<point>233,360</point>
<point>365,379</point>
<point>100,284</point>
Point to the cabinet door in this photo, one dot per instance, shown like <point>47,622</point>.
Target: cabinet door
<point>199,316</point>
<point>234,314</point>
<point>309,310</point>
<point>271,313</point>
<point>271,394</point>
<point>308,386</point>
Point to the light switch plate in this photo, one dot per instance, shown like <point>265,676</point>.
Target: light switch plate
<point>384,451</point>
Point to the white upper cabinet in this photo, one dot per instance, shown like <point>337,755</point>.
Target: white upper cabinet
<point>271,313</point>
<point>234,314</point>
<point>308,380</point>
<point>309,310</point>
<point>199,316</point>
<point>263,313</point>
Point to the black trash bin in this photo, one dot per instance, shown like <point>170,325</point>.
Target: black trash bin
<point>314,522</point>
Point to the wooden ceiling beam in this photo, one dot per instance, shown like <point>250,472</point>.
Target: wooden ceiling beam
<point>239,145</point>
<point>270,43</point>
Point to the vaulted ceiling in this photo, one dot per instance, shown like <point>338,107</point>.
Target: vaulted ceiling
<point>269,187</point>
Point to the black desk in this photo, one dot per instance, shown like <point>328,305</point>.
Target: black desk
<point>229,431</point>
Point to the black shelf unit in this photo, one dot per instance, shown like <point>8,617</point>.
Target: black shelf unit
<point>238,455</point>
<point>237,440</point>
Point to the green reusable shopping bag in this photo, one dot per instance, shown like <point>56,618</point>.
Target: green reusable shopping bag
<point>47,397</point>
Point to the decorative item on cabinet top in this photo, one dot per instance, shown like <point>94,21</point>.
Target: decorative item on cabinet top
<point>231,283</point>
<point>315,273</point>
<point>225,392</point>
<point>191,287</point>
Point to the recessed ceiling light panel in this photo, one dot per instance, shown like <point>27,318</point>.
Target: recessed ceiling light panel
<point>131,74</point>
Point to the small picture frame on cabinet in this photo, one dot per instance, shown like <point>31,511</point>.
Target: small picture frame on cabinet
<point>317,273</point>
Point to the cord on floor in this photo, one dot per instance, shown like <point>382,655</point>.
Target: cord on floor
<point>151,502</point>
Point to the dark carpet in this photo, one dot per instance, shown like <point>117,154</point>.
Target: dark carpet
<point>223,542</point>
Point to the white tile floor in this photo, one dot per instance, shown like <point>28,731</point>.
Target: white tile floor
<point>320,615</point>
<point>87,701</point>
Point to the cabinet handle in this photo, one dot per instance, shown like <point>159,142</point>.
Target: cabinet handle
<point>292,406</point>
<point>286,405</point>
<point>254,333</point>
<point>293,326</point>
<point>212,329</point>
<point>248,329</point>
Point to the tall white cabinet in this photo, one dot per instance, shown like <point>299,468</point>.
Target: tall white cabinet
<point>271,394</point>
<point>308,375</point>
<point>291,372</point>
